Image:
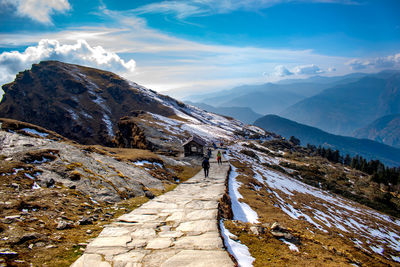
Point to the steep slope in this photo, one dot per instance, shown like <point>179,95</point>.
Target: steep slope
<point>347,145</point>
<point>244,114</point>
<point>86,104</point>
<point>80,103</point>
<point>385,130</point>
<point>347,107</point>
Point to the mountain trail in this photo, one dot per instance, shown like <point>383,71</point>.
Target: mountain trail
<point>179,228</point>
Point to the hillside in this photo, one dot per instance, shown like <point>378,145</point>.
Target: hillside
<point>385,130</point>
<point>346,145</point>
<point>246,115</point>
<point>86,105</point>
<point>347,107</point>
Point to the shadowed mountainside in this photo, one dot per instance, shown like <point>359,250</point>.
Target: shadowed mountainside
<point>385,130</point>
<point>344,108</point>
<point>347,145</point>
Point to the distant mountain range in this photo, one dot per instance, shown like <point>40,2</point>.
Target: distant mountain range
<point>385,130</point>
<point>343,105</point>
<point>346,145</point>
<point>272,97</point>
<point>244,114</point>
<point>344,108</point>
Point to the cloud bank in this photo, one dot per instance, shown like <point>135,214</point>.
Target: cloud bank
<point>79,53</point>
<point>392,61</point>
<point>282,71</point>
<point>38,10</point>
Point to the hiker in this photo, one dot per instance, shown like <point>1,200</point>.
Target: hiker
<point>209,153</point>
<point>206,166</point>
<point>214,145</point>
<point>219,158</point>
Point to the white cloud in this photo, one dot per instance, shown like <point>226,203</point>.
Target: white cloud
<point>188,8</point>
<point>312,69</point>
<point>391,61</point>
<point>79,53</point>
<point>38,10</point>
<point>282,71</point>
<point>307,70</point>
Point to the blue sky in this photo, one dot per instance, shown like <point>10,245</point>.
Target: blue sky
<point>202,45</point>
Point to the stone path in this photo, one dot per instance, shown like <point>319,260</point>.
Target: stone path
<point>179,228</point>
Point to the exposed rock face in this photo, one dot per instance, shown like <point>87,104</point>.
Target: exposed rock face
<point>103,178</point>
<point>80,103</point>
<point>130,135</point>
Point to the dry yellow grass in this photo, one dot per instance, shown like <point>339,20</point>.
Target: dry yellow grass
<point>126,154</point>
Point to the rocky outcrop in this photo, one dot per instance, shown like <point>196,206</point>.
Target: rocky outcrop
<point>129,135</point>
<point>46,163</point>
<point>80,103</point>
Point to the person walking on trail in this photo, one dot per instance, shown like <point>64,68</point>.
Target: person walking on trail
<point>219,158</point>
<point>206,166</point>
<point>209,153</point>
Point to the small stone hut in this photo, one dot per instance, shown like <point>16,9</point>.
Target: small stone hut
<point>194,146</point>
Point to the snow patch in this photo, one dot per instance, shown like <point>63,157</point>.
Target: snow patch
<point>377,249</point>
<point>35,186</point>
<point>33,131</point>
<point>292,246</point>
<point>237,250</point>
<point>29,176</point>
<point>107,121</point>
<point>74,116</point>
<point>395,258</point>
<point>142,162</point>
<point>241,211</point>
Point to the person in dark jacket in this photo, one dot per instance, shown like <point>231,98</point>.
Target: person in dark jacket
<point>206,166</point>
<point>209,153</point>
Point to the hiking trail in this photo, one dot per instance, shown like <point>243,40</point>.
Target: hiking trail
<point>178,228</point>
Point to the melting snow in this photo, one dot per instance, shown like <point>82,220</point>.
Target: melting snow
<point>395,258</point>
<point>142,162</point>
<point>33,131</point>
<point>377,249</point>
<point>239,251</point>
<point>292,246</point>
<point>29,176</point>
<point>241,211</point>
<point>17,170</point>
<point>35,186</point>
<point>108,123</point>
<point>74,116</point>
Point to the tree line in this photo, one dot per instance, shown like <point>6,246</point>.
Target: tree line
<point>379,172</point>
